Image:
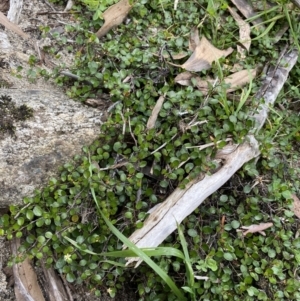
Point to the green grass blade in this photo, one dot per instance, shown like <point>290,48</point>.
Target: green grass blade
<point>148,251</point>
<point>265,32</point>
<point>140,253</point>
<point>263,13</point>
<point>136,250</point>
<point>190,272</point>
<point>294,34</point>
<point>163,251</point>
<point>245,96</point>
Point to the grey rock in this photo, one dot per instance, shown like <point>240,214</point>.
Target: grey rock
<point>58,130</point>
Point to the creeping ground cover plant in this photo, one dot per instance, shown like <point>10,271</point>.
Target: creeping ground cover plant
<point>174,105</point>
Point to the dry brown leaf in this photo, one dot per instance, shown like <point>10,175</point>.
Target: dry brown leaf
<point>155,112</point>
<point>15,28</point>
<point>4,6</point>
<point>26,285</point>
<point>194,39</point>
<point>114,16</point>
<point>296,205</point>
<point>176,56</point>
<point>239,79</point>
<point>235,80</point>
<point>256,228</point>
<point>184,78</point>
<point>203,56</point>
<point>246,8</point>
<point>179,56</point>
<point>244,33</point>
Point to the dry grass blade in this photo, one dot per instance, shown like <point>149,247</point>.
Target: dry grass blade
<point>11,26</point>
<point>296,205</point>
<point>244,33</point>
<point>114,16</point>
<point>194,39</point>
<point>155,112</point>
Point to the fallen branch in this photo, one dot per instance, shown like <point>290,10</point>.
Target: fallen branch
<point>11,26</point>
<point>56,291</point>
<point>182,202</point>
<point>164,218</point>
<point>14,12</point>
<point>26,284</point>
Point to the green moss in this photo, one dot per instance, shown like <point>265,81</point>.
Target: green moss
<point>10,114</point>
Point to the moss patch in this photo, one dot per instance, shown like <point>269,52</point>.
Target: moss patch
<point>10,114</point>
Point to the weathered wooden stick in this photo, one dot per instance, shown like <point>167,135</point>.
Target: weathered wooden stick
<point>164,218</point>
<point>55,289</point>
<point>15,10</point>
<point>26,284</point>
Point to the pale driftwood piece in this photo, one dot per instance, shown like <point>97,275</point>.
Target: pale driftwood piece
<point>55,289</point>
<point>15,10</point>
<point>5,45</point>
<point>26,284</point>
<point>164,218</point>
<point>12,26</point>
<point>297,3</point>
<point>275,78</point>
<point>69,5</point>
<point>182,202</point>
<point>58,130</point>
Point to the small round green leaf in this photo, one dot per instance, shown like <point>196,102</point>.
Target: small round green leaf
<point>40,222</point>
<point>37,210</point>
<point>128,214</point>
<point>271,253</point>
<point>139,175</point>
<point>228,256</point>
<point>164,184</point>
<point>212,264</point>
<point>41,239</point>
<point>192,232</point>
<point>70,277</point>
<point>20,221</point>
<point>19,234</point>
<point>235,224</point>
<point>29,214</point>
<point>48,234</point>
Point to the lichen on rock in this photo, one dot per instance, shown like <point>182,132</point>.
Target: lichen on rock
<point>10,114</point>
